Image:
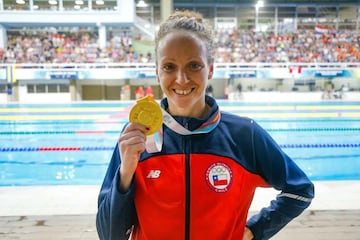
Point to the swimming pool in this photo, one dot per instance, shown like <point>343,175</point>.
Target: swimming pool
<point>71,144</point>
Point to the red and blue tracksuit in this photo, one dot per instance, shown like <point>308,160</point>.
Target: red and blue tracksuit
<point>201,186</point>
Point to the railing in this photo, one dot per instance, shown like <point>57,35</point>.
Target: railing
<point>244,66</point>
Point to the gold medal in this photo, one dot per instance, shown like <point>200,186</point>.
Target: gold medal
<point>147,112</point>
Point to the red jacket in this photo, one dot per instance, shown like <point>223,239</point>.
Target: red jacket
<point>217,209</point>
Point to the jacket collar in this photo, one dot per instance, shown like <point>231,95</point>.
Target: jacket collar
<point>191,123</point>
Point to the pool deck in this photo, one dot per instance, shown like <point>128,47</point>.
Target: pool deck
<point>68,212</point>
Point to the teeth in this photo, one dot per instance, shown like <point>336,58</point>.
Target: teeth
<point>183,92</point>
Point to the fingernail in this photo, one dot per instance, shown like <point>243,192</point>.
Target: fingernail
<point>147,129</point>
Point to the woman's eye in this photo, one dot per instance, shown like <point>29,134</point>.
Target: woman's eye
<point>168,67</point>
<point>195,66</point>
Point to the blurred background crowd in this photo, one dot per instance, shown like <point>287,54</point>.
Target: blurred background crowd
<point>233,45</point>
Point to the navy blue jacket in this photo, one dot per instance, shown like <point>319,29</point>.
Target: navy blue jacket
<point>201,186</point>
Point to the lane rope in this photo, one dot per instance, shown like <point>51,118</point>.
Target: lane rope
<point>118,131</point>
<point>104,148</point>
<point>55,149</point>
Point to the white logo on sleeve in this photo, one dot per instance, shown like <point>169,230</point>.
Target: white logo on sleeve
<point>153,174</point>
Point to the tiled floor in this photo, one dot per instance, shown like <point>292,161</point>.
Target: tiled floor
<point>68,212</point>
<point>311,225</point>
<point>60,200</point>
<point>48,200</point>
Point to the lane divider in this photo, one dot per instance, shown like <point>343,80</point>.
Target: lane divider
<point>255,115</point>
<point>122,121</point>
<point>61,132</point>
<point>68,122</point>
<point>321,145</point>
<point>54,149</point>
<point>118,131</point>
<point>98,148</point>
<point>313,129</point>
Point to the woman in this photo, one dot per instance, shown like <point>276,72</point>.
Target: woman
<point>201,182</point>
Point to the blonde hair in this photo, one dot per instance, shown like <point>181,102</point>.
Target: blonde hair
<point>188,21</point>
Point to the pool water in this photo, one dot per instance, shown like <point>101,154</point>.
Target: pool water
<point>71,144</point>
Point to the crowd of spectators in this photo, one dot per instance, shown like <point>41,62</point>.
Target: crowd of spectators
<point>232,46</point>
<point>71,47</point>
<point>301,46</point>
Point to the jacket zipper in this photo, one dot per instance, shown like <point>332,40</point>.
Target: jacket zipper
<point>187,179</point>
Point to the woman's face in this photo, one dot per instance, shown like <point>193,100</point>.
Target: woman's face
<point>183,71</point>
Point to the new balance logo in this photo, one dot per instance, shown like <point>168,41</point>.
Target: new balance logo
<point>153,174</point>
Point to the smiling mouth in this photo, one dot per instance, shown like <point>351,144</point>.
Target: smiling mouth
<point>183,92</point>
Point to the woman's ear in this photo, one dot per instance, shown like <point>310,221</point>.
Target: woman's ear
<point>210,75</point>
<point>211,72</point>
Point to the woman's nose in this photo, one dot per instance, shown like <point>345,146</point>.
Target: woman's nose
<point>181,76</point>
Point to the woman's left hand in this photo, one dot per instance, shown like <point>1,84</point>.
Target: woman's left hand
<point>248,235</point>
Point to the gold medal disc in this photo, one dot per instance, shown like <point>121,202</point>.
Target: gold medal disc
<point>147,112</point>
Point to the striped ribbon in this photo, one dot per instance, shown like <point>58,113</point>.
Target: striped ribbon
<point>154,142</point>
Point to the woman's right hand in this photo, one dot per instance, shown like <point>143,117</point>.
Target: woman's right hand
<point>131,145</point>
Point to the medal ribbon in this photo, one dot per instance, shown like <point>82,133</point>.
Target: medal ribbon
<point>154,142</point>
